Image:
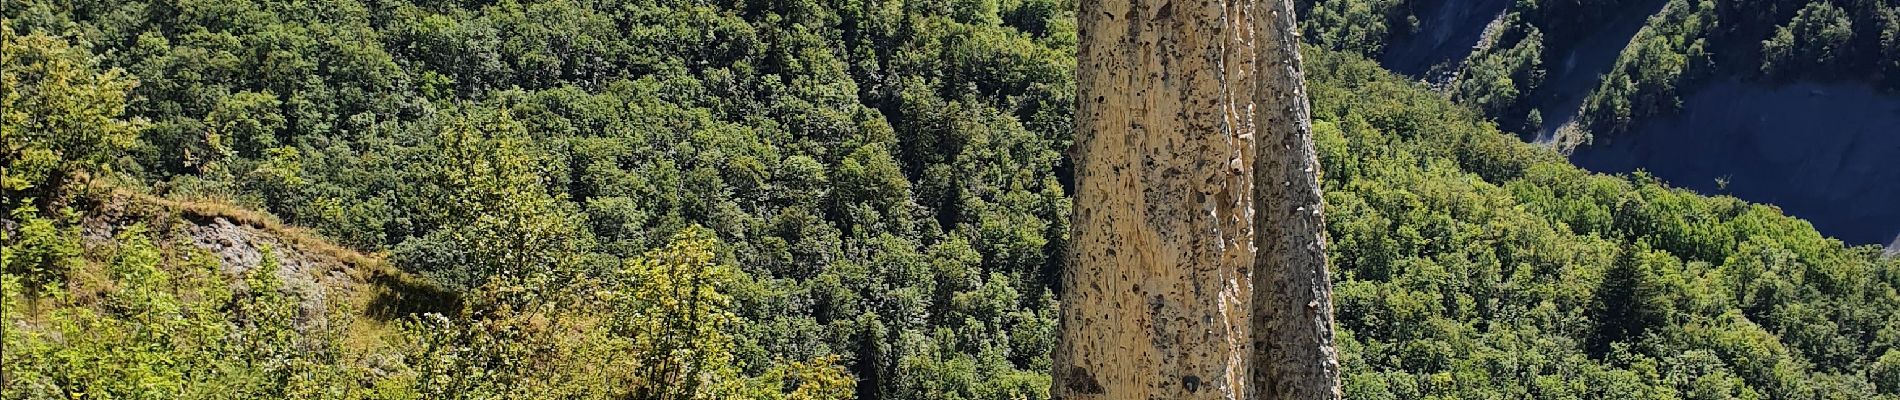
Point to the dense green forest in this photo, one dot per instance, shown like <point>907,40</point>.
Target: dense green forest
<point>808,200</point>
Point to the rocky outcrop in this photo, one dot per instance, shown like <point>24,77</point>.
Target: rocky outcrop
<point>317,273</point>
<point>242,248</point>
<point>1893,249</point>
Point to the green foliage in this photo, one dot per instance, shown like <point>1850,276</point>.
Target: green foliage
<point>59,112</point>
<point>244,123</point>
<point>1691,39</point>
<point>659,328</point>
<point>1498,79</point>
<point>1680,46</point>
<point>139,322</point>
<point>40,251</point>
<point>1502,75</point>
<point>1665,58</point>
<point>1815,41</point>
<point>1886,373</point>
<point>1357,26</point>
<point>670,305</point>
<point>1465,275</point>
<point>486,197</point>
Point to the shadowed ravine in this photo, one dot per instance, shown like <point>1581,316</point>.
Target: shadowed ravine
<point>1447,32</point>
<point>1825,152</point>
<point>1581,68</point>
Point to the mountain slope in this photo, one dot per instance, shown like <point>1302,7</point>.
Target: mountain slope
<point>867,198</point>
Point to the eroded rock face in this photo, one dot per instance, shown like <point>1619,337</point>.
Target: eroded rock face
<point>1893,249</point>
<point>242,248</point>
<point>1294,355</point>
<point>239,249</point>
<point>1157,293</point>
<point>1163,298</point>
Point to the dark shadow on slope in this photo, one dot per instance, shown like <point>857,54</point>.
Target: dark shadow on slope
<point>399,296</point>
<point>1447,31</point>
<point>1577,72</point>
<point>1825,152</point>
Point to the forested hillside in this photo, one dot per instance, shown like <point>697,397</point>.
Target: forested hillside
<point>801,200</point>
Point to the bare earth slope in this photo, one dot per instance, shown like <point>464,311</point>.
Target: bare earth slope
<point>1825,152</point>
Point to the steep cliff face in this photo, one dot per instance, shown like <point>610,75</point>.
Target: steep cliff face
<point>1157,291</point>
<point>1294,355</point>
<point>1164,295</point>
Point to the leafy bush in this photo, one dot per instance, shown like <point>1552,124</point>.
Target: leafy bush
<point>1816,41</point>
<point>59,112</point>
